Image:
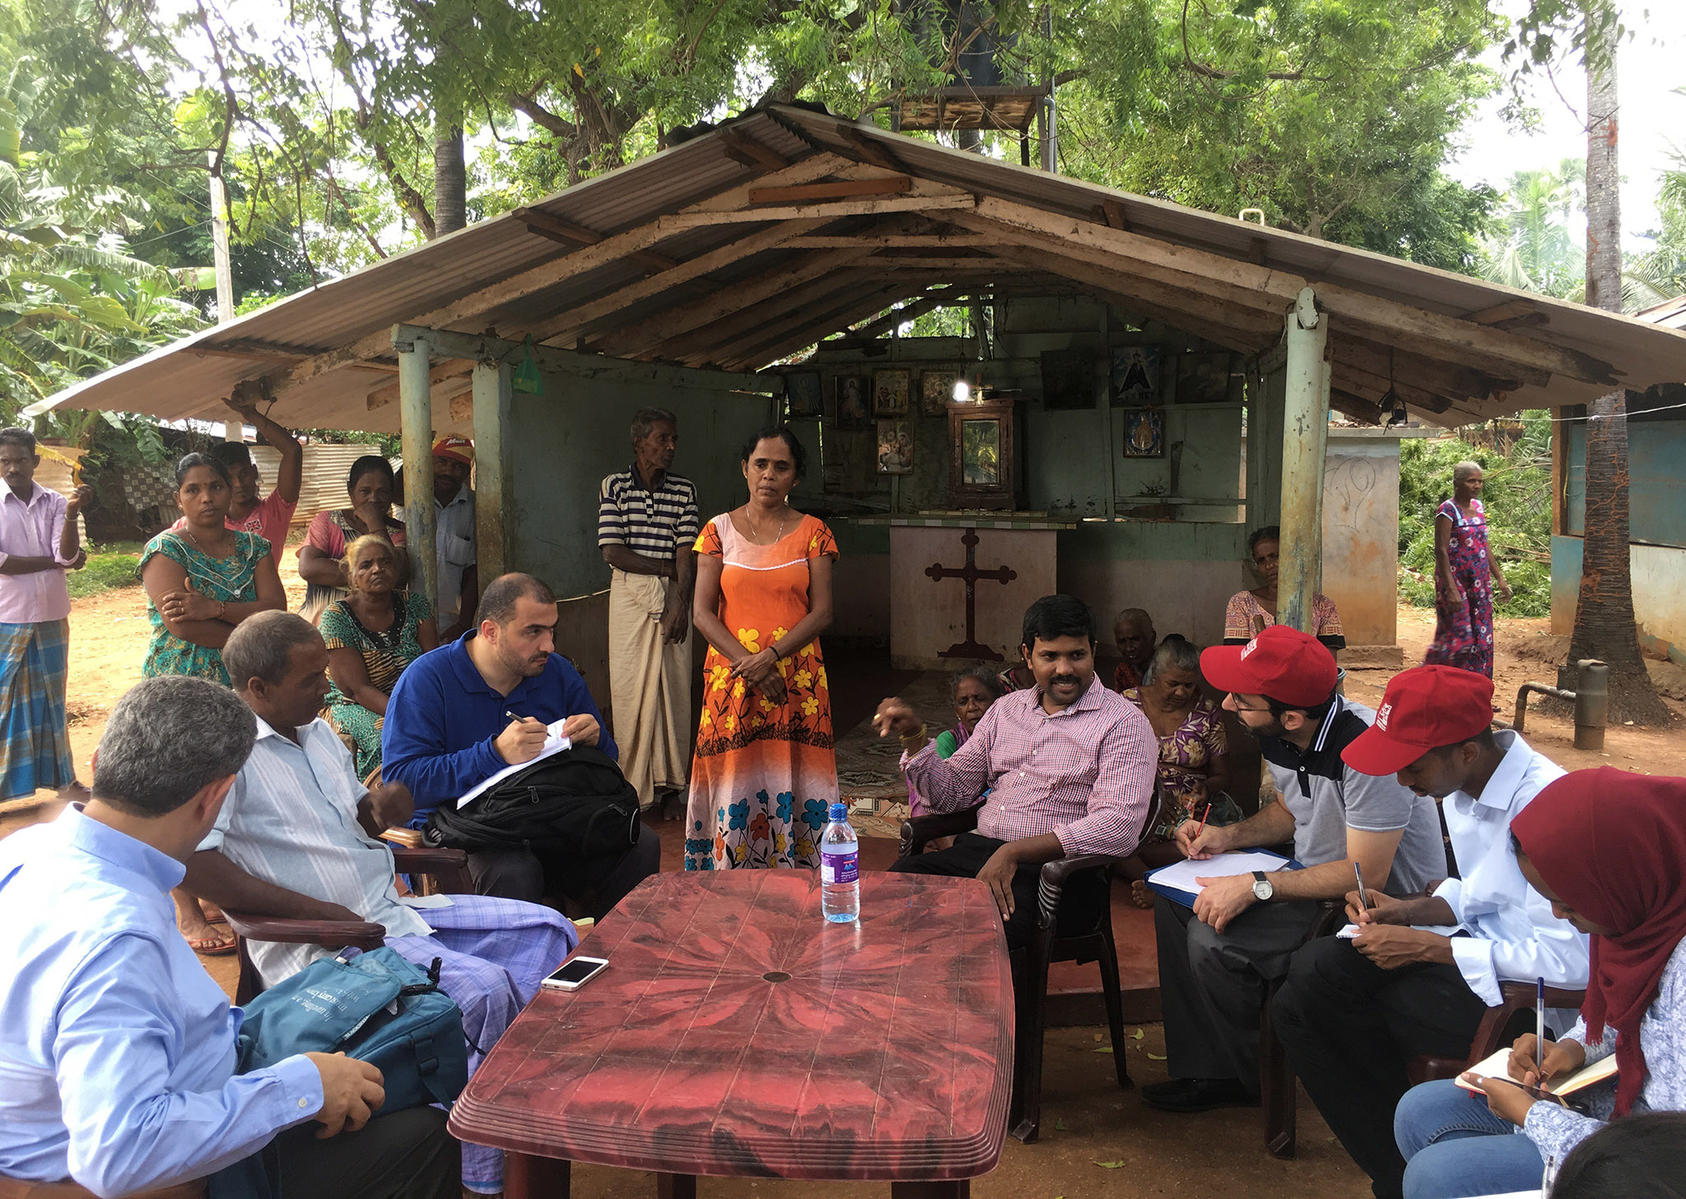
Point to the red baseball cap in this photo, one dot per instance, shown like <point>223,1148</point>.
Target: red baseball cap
<point>1281,663</point>
<point>1423,708</point>
<point>459,448</point>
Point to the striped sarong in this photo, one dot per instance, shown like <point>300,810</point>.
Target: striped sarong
<point>34,735</point>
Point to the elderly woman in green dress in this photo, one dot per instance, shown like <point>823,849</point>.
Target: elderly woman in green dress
<point>372,635</point>
<point>201,580</point>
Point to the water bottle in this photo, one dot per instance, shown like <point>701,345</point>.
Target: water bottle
<point>840,870</point>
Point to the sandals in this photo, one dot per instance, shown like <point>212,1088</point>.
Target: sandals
<point>215,946</point>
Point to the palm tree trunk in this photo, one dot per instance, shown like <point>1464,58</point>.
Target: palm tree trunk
<point>450,173</point>
<point>1604,620</point>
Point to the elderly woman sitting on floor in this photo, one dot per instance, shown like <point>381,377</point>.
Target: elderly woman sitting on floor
<point>1193,777</point>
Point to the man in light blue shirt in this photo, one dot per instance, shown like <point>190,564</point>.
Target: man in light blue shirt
<point>1424,969</point>
<point>117,1050</point>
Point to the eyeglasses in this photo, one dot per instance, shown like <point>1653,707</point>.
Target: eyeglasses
<point>1240,707</point>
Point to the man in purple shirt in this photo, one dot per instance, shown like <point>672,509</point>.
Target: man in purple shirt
<point>38,543</point>
<point>1064,768</point>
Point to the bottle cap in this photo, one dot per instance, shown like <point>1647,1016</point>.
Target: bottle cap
<point>839,811</point>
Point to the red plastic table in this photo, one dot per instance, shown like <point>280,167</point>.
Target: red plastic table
<point>736,1033</point>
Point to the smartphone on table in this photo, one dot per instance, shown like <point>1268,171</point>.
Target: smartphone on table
<point>574,973</point>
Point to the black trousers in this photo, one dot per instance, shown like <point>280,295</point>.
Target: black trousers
<point>404,1155</point>
<point>1349,1027</point>
<point>522,874</point>
<point>1080,904</point>
<point>1212,985</point>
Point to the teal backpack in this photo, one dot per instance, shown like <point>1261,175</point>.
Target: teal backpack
<point>375,1006</point>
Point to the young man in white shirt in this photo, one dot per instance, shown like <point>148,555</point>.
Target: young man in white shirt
<point>1352,1013</point>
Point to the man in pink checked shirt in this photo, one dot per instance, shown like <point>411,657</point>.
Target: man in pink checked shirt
<point>1064,768</point>
<point>38,544</point>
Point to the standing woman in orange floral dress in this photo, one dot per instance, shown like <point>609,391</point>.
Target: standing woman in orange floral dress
<point>765,771</point>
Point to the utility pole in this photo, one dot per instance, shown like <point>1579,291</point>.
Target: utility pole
<point>219,242</point>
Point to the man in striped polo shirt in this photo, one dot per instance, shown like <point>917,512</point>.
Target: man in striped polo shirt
<point>646,524</point>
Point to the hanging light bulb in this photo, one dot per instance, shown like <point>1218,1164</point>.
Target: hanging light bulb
<point>962,391</point>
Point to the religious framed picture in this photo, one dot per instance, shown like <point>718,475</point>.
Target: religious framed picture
<point>889,392</point>
<point>936,389</point>
<point>895,447</point>
<point>982,465</point>
<point>851,402</point>
<point>1068,379</point>
<point>1135,376</point>
<point>1202,378</point>
<point>802,395</point>
<point>1144,432</point>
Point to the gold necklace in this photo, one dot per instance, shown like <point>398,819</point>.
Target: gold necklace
<point>755,533</point>
<point>194,537</point>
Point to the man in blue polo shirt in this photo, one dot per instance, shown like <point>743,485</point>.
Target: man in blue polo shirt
<point>464,711</point>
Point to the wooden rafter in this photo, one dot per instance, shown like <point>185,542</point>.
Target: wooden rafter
<point>830,211</point>
<point>840,189</point>
<point>569,234</point>
<point>583,316</point>
<point>387,393</point>
<point>708,341</point>
<point>786,337</point>
<point>745,149</point>
<point>665,326</point>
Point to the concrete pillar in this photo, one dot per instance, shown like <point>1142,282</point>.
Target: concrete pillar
<point>492,446</point>
<point>415,409</point>
<point>1305,433</point>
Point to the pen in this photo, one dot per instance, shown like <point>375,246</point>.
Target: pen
<point>1203,816</point>
<point>1539,1027</point>
<point>1363,899</point>
<point>513,716</point>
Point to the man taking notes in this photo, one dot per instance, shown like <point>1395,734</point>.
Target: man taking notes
<point>462,712</point>
<point>1351,1013</point>
<point>1214,961</point>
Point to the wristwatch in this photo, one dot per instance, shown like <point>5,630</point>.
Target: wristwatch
<point>1263,889</point>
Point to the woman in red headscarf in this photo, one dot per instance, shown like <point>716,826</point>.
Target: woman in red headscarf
<point>1608,849</point>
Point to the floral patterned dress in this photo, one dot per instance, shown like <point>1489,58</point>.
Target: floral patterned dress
<point>1186,755</point>
<point>232,579</point>
<point>385,655</point>
<point>1244,612</point>
<point>1463,627</point>
<point>764,774</point>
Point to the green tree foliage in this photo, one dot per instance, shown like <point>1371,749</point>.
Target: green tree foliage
<point>1517,494</point>
<point>1530,244</point>
<point>1332,116</point>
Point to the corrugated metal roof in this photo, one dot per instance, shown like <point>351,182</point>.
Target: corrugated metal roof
<point>1220,278</point>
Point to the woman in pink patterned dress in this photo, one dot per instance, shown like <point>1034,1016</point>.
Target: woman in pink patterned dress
<point>1193,776</point>
<point>1250,612</point>
<point>1464,573</point>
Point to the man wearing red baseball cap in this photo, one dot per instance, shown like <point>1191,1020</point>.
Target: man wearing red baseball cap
<point>1352,1013</point>
<point>1215,959</point>
<point>453,536</point>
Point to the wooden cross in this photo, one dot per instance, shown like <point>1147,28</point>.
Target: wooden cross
<point>970,648</point>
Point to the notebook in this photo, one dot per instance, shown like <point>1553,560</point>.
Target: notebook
<point>1498,1066</point>
<point>1176,881</point>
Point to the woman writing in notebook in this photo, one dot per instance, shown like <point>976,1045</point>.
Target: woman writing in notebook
<point>1607,848</point>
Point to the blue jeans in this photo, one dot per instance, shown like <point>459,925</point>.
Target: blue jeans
<point>1454,1146</point>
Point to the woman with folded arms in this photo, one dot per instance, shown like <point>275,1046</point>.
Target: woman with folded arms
<point>1608,849</point>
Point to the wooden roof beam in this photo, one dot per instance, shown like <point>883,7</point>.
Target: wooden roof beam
<point>706,343</point>
<point>387,393</point>
<point>569,234</point>
<point>931,301</point>
<point>583,316</point>
<point>885,241</point>
<point>634,340</point>
<point>1458,339</point>
<point>741,147</point>
<point>830,210</point>
<point>840,189</point>
<point>792,335</point>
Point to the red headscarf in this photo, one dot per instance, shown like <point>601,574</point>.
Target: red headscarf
<point>1612,845</point>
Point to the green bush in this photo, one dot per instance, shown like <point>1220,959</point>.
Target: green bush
<point>108,567</point>
<point>1517,495</point>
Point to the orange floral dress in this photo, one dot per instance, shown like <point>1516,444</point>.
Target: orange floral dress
<point>764,774</point>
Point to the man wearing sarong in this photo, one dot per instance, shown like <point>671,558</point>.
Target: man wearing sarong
<point>38,544</point>
<point>646,526</point>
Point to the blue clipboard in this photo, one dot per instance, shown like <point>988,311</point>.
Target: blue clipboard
<point>1185,897</point>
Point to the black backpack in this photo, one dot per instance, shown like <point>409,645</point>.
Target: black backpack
<point>575,805</point>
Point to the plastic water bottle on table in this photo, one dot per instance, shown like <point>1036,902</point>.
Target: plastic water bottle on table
<point>840,869</point>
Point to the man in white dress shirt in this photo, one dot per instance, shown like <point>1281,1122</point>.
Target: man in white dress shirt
<point>1353,1012</point>
<point>299,836</point>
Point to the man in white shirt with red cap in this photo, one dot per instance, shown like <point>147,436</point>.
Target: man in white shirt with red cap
<point>1424,968</point>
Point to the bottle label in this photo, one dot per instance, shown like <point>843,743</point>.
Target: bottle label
<point>840,867</point>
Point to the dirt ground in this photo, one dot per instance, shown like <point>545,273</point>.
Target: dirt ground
<point>108,635</point>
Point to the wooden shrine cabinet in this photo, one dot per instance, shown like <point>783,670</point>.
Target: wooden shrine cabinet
<point>985,453</point>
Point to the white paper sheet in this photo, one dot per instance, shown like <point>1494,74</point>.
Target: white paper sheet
<point>553,745</point>
<point>1181,875</point>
